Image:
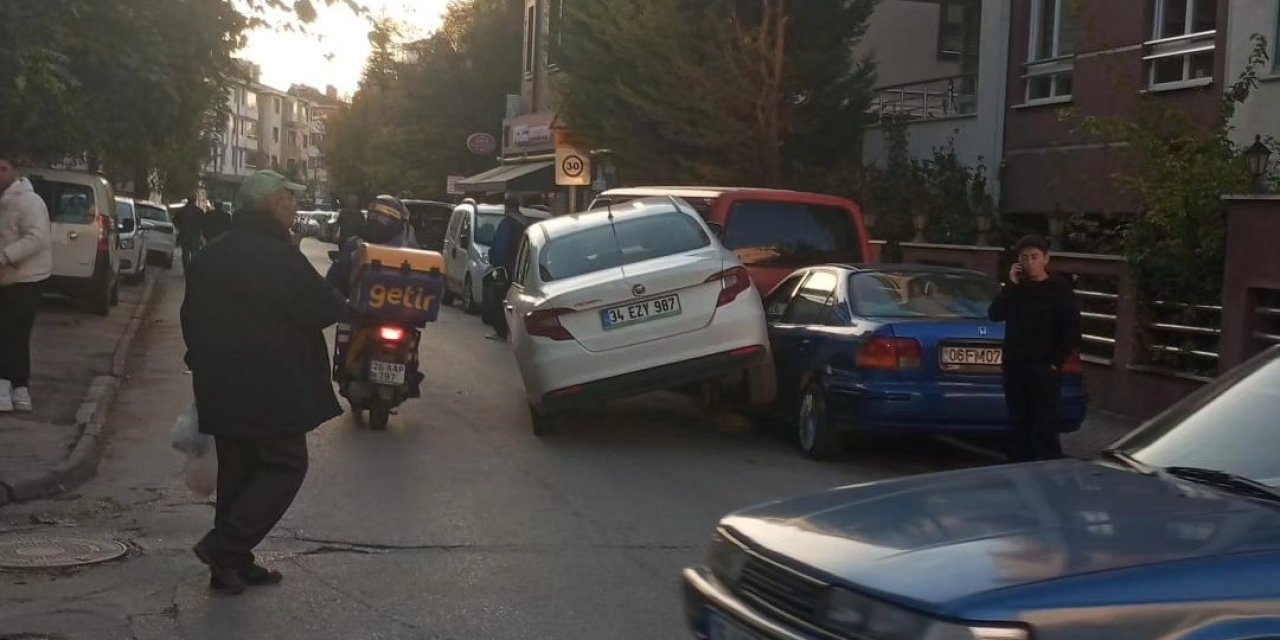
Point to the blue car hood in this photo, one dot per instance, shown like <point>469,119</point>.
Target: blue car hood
<point>936,541</point>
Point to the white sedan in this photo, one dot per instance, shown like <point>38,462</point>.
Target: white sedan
<point>616,303</point>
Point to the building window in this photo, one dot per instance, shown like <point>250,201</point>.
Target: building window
<point>251,99</point>
<point>1183,40</point>
<point>951,29</point>
<point>275,134</point>
<point>555,28</point>
<point>530,36</point>
<point>250,158</point>
<point>293,138</point>
<point>1052,51</point>
<point>251,129</point>
<point>275,162</point>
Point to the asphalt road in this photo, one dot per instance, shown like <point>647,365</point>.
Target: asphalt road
<point>455,523</point>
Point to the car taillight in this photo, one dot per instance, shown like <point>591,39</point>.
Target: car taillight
<point>890,354</point>
<point>391,334</point>
<point>1074,365</point>
<point>104,234</point>
<point>545,323</point>
<point>733,283</point>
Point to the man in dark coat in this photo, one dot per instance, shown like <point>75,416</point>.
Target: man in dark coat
<point>252,319</point>
<point>189,220</point>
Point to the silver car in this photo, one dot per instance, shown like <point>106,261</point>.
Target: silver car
<point>162,238</point>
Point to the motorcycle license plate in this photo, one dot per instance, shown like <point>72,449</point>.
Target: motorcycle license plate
<point>386,373</point>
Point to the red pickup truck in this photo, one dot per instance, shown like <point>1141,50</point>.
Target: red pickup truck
<point>773,231</point>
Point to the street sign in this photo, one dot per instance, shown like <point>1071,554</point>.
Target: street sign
<point>451,185</point>
<point>482,144</point>
<point>573,161</point>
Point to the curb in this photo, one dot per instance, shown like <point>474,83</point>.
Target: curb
<point>81,463</point>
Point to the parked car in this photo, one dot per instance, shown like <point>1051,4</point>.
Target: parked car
<point>1173,532</point>
<point>86,263</point>
<point>162,239</point>
<point>466,250</point>
<point>897,349</point>
<point>773,232</point>
<point>430,222</point>
<point>606,305</point>
<point>131,238</point>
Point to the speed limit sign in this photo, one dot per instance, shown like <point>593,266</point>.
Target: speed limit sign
<point>573,162</point>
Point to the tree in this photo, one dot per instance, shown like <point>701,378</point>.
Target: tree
<point>763,92</point>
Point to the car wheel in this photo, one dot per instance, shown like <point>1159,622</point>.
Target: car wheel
<point>814,433</point>
<point>544,424</point>
<point>115,291</point>
<point>469,299</point>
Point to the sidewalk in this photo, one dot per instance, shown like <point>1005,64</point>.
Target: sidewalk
<point>78,360</point>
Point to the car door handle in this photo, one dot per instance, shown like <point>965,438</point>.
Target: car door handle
<point>72,235</point>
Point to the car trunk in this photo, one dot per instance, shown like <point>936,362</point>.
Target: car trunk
<point>954,349</point>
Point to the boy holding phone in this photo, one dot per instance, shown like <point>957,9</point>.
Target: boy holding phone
<point>1042,330</point>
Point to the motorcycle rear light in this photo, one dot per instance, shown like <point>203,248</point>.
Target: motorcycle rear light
<point>545,323</point>
<point>391,334</point>
<point>890,354</point>
<point>1074,366</point>
<point>733,281</point>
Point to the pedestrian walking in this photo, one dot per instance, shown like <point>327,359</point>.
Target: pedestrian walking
<point>502,255</point>
<point>190,224</point>
<point>1042,331</point>
<point>26,262</point>
<point>253,321</point>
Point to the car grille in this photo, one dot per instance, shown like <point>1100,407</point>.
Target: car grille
<point>778,588</point>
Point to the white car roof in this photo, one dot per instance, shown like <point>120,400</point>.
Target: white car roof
<point>560,226</point>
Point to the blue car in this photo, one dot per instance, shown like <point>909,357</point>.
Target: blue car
<point>1172,533</point>
<point>892,348</point>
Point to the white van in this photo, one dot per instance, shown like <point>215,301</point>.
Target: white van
<point>86,264</point>
<point>466,250</point>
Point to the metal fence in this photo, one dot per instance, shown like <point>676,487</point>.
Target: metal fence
<point>927,99</point>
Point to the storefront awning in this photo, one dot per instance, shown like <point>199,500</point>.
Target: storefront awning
<point>534,177</point>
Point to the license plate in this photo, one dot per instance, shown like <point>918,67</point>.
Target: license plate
<point>955,358</point>
<point>635,313</point>
<point>386,373</point>
<point>720,628</point>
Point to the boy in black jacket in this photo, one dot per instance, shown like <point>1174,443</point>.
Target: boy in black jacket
<point>1042,331</point>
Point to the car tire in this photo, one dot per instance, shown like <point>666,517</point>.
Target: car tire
<point>544,424</point>
<point>115,291</point>
<point>815,435</point>
<point>469,303</point>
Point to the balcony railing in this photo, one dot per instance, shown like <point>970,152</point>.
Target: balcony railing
<point>927,99</point>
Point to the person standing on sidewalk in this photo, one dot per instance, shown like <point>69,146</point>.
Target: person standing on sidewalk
<point>26,262</point>
<point>189,221</point>
<point>253,321</point>
<point>1042,331</point>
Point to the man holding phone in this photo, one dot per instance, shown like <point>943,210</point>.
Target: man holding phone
<point>1042,331</point>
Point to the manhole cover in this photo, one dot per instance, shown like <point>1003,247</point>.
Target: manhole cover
<point>41,552</point>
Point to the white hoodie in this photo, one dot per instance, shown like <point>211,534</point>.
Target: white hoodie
<point>25,251</point>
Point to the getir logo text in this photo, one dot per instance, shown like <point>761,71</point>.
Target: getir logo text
<point>409,298</point>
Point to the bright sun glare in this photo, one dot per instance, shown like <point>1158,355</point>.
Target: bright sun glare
<point>337,46</point>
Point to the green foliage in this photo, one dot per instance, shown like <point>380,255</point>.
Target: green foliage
<point>407,126</point>
<point>1181,171</point>
<point>950,194</point>
<point>759,92</point>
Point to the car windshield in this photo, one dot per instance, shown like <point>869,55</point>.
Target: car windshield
<point>921,294</point>
<point>1225,426</point>
<point>486,226</point>
<point>153,213</point>
<point>68,203</point>
<point>791,234</point>
<point>625,242</point>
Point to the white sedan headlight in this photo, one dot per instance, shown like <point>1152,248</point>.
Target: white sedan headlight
<point>858,615</point>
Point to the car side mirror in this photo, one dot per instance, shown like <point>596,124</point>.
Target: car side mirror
<point>148,225</point>
<point>124,226</point>
<point>333,256</point>
<point>716,228</point>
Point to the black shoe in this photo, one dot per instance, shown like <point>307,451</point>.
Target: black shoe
<point>257,575</point>
<point>221,577</point>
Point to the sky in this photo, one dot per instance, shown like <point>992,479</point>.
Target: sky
<point>337,46</point>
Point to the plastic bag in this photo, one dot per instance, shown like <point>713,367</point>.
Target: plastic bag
<point>186,436</point>
<point>201,473</point>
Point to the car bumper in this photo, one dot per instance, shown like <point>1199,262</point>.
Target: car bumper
<point>160,245</point>
<point>938,407</point>
<point>705,596</point>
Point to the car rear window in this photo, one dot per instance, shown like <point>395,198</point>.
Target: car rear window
<point>486,227</point>
<point>123,211</point>
<point>791,234</point>
<point>152,213</point>
<point>914,294</point>
<point>625,242</point>
<point>429,224</point>
<point>67,203</point>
